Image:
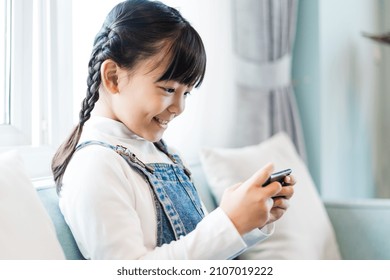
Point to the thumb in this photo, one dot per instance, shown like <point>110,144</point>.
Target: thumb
<point>260,176</point>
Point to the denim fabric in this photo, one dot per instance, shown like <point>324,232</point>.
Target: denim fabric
<point>178,206</point>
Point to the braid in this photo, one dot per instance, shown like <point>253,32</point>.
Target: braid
<point>65,152</point>
<point>94,78</point>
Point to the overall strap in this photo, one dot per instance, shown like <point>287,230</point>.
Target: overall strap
<point>175,158</point>
<point>122,151</point>
<point>94,142</point>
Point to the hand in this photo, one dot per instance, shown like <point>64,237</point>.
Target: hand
<point>250,206</point>
<point>281,200</point>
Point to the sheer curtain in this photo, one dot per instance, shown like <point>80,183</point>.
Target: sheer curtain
<point>265,104</point>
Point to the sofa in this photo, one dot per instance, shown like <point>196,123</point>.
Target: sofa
<point>312,228</point>
<point>361,226</point>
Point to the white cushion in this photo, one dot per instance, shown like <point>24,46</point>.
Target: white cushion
<point>305,231</point>
<point>26,229</point>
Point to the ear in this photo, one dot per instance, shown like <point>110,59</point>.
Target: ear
<point>109,75</point>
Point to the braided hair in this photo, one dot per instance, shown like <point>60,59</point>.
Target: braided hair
<point>135,30</point>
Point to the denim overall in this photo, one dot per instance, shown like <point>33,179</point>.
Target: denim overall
<point>177,203</point>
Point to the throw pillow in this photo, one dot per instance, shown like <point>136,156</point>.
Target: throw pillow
<point>305,231</point>
<point>26,229</point>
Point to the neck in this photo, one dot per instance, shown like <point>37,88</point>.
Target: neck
<point>102,109</point>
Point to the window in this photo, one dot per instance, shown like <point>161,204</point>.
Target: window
<point>15,128</point>
<point>4,54</point>
<point>35,79</point>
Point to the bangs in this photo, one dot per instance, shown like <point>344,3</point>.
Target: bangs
<point>187,59</point>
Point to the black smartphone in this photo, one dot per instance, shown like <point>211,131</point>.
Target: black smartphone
<point>278,176</point>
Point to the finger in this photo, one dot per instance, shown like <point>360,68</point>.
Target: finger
<point>270,203</point>
<point>276,214</point>
<point>272,189</point>
<point>281,203</point>
<point>289,180</point>
<point>286,192</point>
<point>259,178</point>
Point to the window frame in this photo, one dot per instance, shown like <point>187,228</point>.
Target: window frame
<point>5,6</point>
<point>53,54</point>
<point>18,131</point>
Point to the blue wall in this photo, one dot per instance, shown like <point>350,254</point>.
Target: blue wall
<point>336,77</point>
<point>306,78</point>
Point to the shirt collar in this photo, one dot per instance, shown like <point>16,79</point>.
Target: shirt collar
<point>111,127</point>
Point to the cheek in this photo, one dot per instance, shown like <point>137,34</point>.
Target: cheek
<point>140,107</point>
<point>155,106</point>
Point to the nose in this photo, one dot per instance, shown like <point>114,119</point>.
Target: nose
<point>178,104</point>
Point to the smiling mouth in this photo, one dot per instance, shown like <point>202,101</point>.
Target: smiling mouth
<point>162,123</point>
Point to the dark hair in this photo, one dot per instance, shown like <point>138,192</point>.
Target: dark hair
<point>135,30</point>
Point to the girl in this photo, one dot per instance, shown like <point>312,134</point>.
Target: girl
<point>124,193</point>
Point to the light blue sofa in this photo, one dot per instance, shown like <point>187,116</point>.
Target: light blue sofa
<point>362,226</point>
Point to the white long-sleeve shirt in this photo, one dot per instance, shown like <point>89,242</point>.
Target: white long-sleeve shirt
<point>110,209</point>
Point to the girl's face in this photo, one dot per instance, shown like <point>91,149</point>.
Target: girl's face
<point>144,105</point>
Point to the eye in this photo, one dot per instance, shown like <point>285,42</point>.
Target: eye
<point>187,93</point>
<point>169,90</point>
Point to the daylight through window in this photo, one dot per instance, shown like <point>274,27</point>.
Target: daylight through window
<point>5,26</point>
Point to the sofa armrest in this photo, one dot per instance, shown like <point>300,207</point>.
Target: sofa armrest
<point>362,227</point>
